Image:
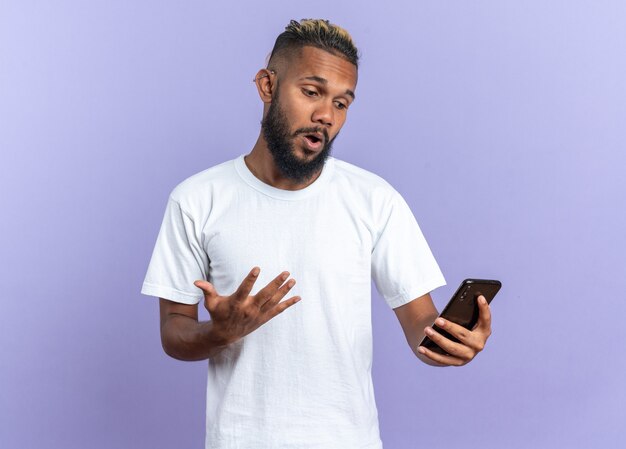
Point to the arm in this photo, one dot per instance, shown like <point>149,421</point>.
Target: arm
<point>183,337</point>
<point>416,317</point>
<point>232,317</point>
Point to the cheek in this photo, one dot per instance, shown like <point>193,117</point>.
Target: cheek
<point>298,116</point>
<point>340,120</point>
<point>296,104</point>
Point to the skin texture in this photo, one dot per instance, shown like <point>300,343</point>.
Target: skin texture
<point>416,319</point>
<point>316,90</point>
<point>281,138</point>
<point>232,317</point>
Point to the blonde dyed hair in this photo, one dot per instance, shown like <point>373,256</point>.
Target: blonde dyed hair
<point>317,33</point>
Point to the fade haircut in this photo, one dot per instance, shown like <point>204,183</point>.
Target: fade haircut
<point>317,33</point>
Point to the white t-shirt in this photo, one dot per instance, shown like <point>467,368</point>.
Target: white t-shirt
<point>303,379</point>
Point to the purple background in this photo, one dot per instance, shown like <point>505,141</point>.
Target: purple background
<point>502,123</point>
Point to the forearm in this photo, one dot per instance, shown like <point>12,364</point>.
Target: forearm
<point>184,338</point>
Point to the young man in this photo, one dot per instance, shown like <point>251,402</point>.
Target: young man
<point>284,373</point>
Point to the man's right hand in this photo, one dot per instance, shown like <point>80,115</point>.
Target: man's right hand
<point>237,315</point>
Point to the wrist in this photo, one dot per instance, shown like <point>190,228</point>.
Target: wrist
<point>220,336</point>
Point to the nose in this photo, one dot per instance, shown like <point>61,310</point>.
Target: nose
<point>324,114</point>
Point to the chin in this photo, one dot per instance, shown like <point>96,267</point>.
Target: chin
<point>309,154</point>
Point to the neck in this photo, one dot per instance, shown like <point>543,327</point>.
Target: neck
<point>261,163</point>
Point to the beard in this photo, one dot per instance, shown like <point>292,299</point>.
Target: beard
<point>280,141</point>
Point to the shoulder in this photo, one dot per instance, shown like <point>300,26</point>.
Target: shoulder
<point>362,182</point>
<point>196,193</point>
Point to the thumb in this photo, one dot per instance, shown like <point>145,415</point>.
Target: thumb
<point>206,287</point>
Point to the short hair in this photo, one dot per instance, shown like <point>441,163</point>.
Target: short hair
<point>317,33</point>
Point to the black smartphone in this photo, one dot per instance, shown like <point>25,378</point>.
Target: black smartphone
<point>463,308</point>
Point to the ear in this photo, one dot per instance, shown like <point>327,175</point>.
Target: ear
<point>265,81</point>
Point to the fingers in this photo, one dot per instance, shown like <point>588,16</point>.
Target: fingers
<point>440,358</point>
<point>278,296</point>
<point>457,350</point>
<point>206,287</point>
<point>246,285</point>
<point>281,307</point>
<point>484,315</point>
<point>210,294</point>
<point>267,293</point>
<point>475,338</point>
<point>470,342</point>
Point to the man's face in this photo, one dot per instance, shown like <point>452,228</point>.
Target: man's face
<point>307,111</point>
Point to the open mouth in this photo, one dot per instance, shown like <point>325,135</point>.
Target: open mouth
<point>313,141</point>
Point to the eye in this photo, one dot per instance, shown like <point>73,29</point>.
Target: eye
<point>309,92</point>
<point>341,105</point>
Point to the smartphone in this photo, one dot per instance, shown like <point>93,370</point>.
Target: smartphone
<point>463,308</point>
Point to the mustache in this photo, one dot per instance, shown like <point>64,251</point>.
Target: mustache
<point>312,130</point>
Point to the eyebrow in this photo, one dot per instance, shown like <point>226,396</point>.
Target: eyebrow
<point>324,81</point>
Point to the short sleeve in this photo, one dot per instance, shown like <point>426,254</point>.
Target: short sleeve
<point>403,266</point>
<point>178,258</point>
